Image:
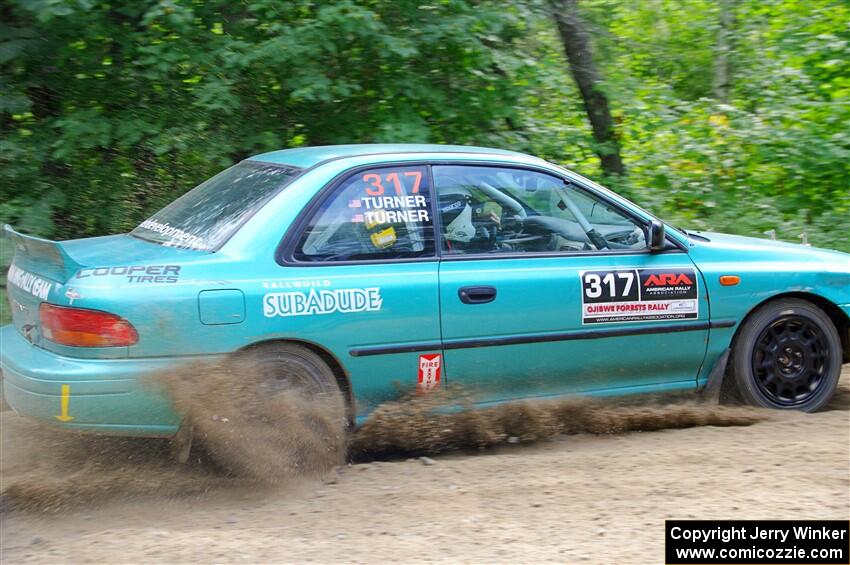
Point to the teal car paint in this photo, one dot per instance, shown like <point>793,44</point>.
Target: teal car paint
<point>403,266</point>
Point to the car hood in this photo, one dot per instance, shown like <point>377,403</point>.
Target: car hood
<point>736,247</point>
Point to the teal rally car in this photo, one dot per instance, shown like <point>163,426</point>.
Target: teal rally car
<point>373,266</point>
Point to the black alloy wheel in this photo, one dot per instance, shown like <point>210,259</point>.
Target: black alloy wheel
<point>787,355</point>
<point>790,360</point>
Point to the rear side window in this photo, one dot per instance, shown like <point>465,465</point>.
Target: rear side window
<point>204,218</point>
<point>381,213</point>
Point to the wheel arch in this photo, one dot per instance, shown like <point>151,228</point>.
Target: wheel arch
<point>839,319</point>
<point>341,375</point>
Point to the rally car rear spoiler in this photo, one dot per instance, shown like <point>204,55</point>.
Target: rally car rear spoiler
<point>42,256</point>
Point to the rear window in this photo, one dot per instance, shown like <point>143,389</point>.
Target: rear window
<point>377,214</point>
<point>204,218</point>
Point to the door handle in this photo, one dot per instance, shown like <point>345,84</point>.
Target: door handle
<point>477,294</point>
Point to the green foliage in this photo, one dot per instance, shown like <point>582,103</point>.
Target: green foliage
<point>776,157</point>
<point>110,110</point>
<point>6,253</point>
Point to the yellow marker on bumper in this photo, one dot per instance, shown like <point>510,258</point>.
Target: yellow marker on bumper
<point>66,398</point>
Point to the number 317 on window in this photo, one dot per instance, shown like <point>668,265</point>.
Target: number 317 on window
<point>378,184</point>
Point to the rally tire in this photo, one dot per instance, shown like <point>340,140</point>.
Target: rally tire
<point>293,366</point>
<point>273,411</point>
<point>787,356</point>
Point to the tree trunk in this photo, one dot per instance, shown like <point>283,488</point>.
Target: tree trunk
<point>723,51</point>
<point>576,42</point>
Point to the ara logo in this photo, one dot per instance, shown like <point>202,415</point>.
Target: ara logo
<point>668,279</point>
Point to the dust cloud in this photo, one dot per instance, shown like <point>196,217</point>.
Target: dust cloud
<point>420,426</point>
<point>250,429</point>
<point>249,434</point>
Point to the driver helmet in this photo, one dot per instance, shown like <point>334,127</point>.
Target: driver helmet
<point>456,214</point>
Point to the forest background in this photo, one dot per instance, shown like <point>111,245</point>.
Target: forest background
<point>727,115</point>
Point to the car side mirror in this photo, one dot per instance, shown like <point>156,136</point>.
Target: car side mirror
<point>657,241</point>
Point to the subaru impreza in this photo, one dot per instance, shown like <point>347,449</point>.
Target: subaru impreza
<point>365,270</point>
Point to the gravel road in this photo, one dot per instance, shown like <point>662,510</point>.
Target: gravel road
<point>577,498</point>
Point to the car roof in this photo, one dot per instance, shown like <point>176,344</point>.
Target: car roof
<point>310,156</point>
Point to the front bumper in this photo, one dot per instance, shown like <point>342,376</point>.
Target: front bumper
<point>110,396</point>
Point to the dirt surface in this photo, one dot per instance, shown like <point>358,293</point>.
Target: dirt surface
<point>575,498</point>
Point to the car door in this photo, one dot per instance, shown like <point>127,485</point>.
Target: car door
<point>547,288</point>
<point>360,280</point>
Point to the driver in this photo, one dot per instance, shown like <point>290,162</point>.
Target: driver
<point>467,224</point>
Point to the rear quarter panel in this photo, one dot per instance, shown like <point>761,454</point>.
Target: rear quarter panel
<point>167,311</point>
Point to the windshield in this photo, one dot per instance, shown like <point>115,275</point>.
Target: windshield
<point>204,218</point>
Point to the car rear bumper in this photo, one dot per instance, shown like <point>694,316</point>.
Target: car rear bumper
<point>111,396</point>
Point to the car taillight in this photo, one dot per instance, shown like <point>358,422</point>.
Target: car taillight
<point>85,328</point>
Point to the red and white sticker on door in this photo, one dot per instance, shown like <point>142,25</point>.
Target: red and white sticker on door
<point>430,369</point>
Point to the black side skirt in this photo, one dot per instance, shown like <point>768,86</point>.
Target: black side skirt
<point>541,338</point>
